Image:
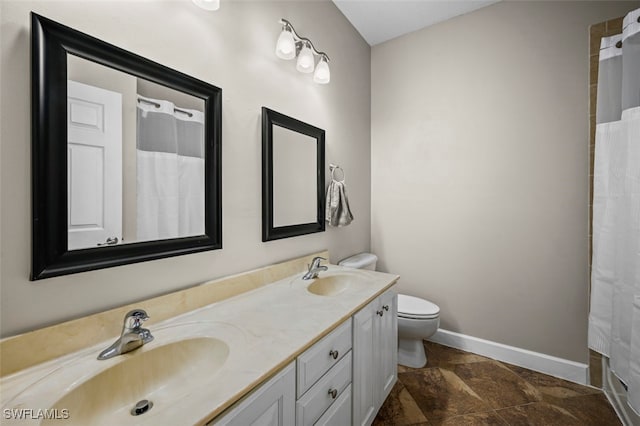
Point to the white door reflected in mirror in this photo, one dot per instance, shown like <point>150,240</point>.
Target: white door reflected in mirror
<point>94,165</point>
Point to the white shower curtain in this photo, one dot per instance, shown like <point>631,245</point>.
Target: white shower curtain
<point>614,318</point>
<point>190,126</point>
<point>170,171</point>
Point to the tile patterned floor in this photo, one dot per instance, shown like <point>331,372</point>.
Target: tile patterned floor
<point>458,388</point>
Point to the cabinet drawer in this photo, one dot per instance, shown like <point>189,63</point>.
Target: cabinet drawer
<point>340,411</point>
<point>319,358</point>
<point>310,407</point>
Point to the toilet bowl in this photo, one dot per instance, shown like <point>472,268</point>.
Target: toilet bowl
<point>418,319</point>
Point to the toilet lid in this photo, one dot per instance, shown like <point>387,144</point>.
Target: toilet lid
<point>415,307</point>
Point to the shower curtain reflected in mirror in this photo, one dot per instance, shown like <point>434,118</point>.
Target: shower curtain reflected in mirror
<point>614,319</point>
<point>170,170</point>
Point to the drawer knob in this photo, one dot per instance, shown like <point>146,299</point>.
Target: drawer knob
<point>386,307</point>
<point>333,393</point>
<point>333,354</point>
<point>381,313</point>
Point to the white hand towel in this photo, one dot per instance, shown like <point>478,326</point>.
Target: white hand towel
<point>338,212</point>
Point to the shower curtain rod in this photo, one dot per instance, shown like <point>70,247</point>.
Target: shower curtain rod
<point>157,105</point>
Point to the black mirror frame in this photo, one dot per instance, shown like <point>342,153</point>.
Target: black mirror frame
<point>50,44</point>
<point>269,232</point>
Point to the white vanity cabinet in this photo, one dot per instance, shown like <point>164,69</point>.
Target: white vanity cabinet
<point>271,404</point>
<point>341,380</point>
<point>375,356</point>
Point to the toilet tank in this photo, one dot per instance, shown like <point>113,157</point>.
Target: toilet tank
<point>360,261</point>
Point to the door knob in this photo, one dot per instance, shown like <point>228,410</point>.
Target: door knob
<point>111,241</point>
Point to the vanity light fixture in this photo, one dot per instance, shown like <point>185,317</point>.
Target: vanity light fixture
<point>207,4</point>
<point>290,45</point>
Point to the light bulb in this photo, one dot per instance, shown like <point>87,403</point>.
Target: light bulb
<point>322,74</point>
<point>306,61</point>
<point>286,46</point>
<point>207,4</point>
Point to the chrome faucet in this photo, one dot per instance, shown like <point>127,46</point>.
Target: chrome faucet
<point>314,268</point>
<point>132,337</point>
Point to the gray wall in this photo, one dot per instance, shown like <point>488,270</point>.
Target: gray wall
<point>480,170</point>
<point>232,48</point>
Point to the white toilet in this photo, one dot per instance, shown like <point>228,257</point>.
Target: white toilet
<point>418,319</point>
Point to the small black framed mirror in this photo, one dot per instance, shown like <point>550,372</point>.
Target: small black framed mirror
<point>292,177</point>
<point>126,156</point>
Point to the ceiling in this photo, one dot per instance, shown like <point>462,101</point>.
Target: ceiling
<point>381,20</point>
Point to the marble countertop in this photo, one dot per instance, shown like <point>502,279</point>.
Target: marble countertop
<point>265,329</point>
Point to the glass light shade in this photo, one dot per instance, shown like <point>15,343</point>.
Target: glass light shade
<point>322,74</point>
<point>286,46</point>
<point>306,61</point>
<point>207,4</point>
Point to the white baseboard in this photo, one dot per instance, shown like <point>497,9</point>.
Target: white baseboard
<point>547,364</point>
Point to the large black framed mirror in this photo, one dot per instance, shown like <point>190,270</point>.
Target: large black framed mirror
<point>292,177</point>
<point>126,156</point>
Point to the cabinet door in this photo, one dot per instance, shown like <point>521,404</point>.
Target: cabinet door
<point>272,404</point>
<point>387,344</point>
<point>365,378</point>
